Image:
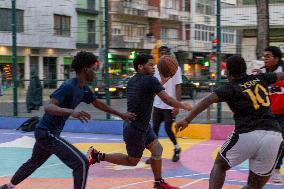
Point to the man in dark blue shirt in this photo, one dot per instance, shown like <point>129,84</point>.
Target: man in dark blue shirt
<point>62,105</point>
<point>257,135</point>
<point>137,133</point>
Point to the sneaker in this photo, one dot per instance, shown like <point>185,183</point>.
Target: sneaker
<point>148,161</point>
<point>163,185</point>
<point>276,176</point>
<point>176,155</point>
<point>5,186</point>
<point>91,156</point>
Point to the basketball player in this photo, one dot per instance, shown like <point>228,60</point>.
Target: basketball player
<point>62,104</point>
<point>257,135</point>
<point>163,112</point>
<point>138,134</point>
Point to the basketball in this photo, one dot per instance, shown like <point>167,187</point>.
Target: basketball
<point>167,66</point>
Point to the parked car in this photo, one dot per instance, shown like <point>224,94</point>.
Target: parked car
<point>188,88</point>
<point>204,85</point>
<point>117,90</point>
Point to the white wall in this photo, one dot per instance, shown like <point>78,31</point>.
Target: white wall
<point>246,16</point>
<point>39,24</point>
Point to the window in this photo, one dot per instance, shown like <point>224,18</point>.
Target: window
<point>169,34</point>
<point>92,31</point>
<point>203,33</point>
<point>92,4</point>
<point>205,7</point>
<point>62,25</point>
<point>6,20</point>
<point>228,36</point>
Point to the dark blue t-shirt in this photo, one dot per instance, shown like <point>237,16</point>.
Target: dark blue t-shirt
<point>69,95</point>
<point>141,90</point>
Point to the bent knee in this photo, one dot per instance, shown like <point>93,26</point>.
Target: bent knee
<point>157,151</point>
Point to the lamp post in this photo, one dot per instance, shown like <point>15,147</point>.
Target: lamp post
<point>14,58</point>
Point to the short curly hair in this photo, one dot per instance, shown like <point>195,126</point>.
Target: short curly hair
<point>236,66</point>
<point>275,51</point>
<point>83,60</point>
<point>141,59</point>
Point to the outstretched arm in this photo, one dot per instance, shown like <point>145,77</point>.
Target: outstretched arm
<point>173,102</point>
<point>104,107</point>
<point>198,108</point>
<point>53,108</point>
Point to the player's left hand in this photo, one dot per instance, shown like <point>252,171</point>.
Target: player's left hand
<point>175,112</point>
<point>128,116</point>
<point>181,125</point>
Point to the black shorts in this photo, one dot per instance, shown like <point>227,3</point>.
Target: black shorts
<point>137,140</point>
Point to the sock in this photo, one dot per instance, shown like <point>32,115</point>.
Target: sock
<point>158,180</point>
<point>11,186</point>
<point>101,156</point>
<point>177,147</point>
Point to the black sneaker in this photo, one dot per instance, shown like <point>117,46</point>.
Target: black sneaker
<point>176,155</point>
<point>5,186</point>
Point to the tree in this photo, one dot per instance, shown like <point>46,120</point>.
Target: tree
<point>262,9</point>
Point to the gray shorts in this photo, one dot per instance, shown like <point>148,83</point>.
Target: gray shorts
<point>136,140</point>
<point>262,149</point>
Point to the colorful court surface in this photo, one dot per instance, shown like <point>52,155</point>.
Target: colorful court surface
<point>192,171</point>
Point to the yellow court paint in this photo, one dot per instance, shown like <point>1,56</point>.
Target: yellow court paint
<point>196,131</point>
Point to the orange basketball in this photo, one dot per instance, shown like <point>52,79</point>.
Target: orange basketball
<point>167,66</point>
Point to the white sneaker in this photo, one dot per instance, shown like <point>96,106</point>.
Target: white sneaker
<point>276,176</point>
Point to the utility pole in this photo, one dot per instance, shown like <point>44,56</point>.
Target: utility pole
<point>218,53</point>
<point>107,83</point>
<point>14,58</point>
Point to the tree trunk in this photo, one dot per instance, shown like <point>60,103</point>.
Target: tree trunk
<point>262,9</point>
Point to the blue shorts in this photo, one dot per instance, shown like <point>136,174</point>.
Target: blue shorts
<point>137,140</point>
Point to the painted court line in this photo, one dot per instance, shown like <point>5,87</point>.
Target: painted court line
<point>193,182</point>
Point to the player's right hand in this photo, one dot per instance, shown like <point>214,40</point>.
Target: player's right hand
<point>81,115</point>
<point>181,125</point>
<point>186,106</point>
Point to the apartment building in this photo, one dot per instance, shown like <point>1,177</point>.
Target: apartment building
<point>187,26</point>
<point>243,17</point>
<point>46,37</point>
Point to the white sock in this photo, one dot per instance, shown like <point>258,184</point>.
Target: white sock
<point>11,186</point>
<point>177,147</point>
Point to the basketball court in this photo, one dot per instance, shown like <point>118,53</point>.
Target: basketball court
<point>192,171</point>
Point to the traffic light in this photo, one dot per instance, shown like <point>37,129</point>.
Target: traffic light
<point>205,62</point>
<point>214,45</point>
<point>132,55</point>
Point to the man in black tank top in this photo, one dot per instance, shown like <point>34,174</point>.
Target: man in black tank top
<point>257,135</point>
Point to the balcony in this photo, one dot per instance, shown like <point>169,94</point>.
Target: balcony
<point>245,16</point>
<point>176,15</point>
<point>122,41</point>
<point>134,8</point>
<point>87,11</point>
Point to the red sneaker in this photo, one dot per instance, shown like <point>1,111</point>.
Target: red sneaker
<point>92,156</point>
<point>163,185</point>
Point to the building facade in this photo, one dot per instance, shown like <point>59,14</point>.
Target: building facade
<point>46,38</point>
<point>186,26</point>
<point>243,17</point>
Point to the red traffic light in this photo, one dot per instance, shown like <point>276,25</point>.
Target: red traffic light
<point>215,41</point>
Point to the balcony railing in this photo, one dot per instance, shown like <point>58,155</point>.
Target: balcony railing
<point>134,8</point>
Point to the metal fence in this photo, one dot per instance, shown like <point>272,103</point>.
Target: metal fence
<point>117,102</point>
